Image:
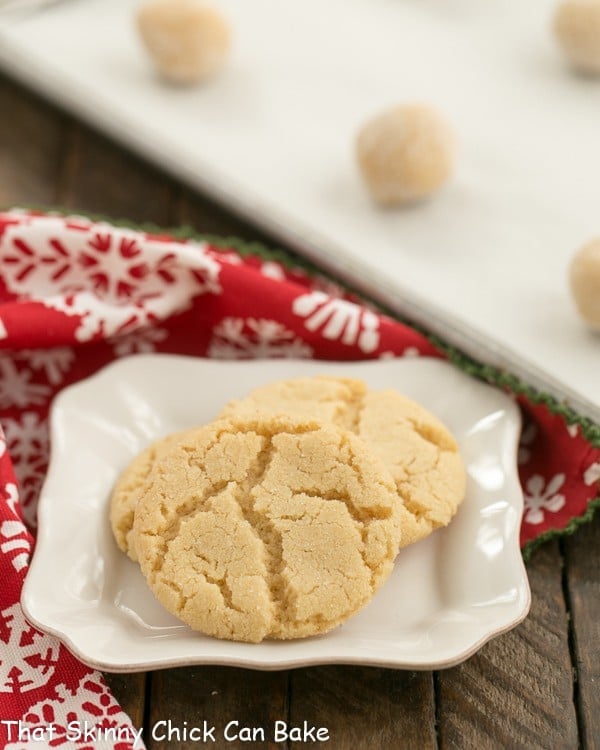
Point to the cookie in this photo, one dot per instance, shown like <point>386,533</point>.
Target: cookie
<point>128,489</point>
<point>266,527</point>
<point>417,449</point>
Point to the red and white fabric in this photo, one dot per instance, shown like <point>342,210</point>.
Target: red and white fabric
<point>74,295</point>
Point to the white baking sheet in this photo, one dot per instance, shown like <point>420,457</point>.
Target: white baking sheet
<point>484,264</point>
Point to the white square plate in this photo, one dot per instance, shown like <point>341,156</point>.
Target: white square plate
<point>447,595</point>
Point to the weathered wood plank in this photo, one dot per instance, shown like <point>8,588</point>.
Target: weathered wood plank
<point>188,697</point>
<point>129,690</point>
<point>102,178</point>
<point>582,560</point>
<point>31,136</point>
<point>518,690</point>
<point>364,707</point>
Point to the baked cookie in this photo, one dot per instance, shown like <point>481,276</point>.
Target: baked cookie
<point>128,489</point>
<point>417,449</point>
<point>266,527</point>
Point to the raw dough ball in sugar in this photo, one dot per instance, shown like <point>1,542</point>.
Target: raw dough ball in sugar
<point>405,154</point>
<point>577,28</point>
<point>188,40</point>
<point>266,527</point>
<point>584,276</point>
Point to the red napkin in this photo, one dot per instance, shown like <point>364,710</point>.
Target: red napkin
<point>74,295</point>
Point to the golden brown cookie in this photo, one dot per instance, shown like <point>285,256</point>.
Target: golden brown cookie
<point>266,527</point>
<point>128,489</point>
<point>418,450</point>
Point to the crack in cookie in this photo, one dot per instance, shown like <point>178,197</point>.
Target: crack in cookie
<point>418,450</point>
<point>230,543</point>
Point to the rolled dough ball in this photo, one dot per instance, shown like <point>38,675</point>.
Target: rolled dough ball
<point>188,40</point>
<point>405,154</point>
<point>577,28</point>
<point>584,275</point>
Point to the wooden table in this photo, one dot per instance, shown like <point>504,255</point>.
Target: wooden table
<point>535,687</point>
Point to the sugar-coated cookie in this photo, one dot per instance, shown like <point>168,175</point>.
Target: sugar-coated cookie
<point>266,527</point>
<point>417,449</point>
<point>128,489</point>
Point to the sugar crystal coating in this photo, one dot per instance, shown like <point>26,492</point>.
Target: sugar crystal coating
<point>584,278</point>
<point>187,39</point>
<point>266,527</point>
<point>405,154</point>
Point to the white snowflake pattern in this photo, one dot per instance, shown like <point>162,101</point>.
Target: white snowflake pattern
<point>527,439</point>
<point>226,256</point>
<point>139,342</point>
<point>3,331</point>
<point>272,270</point>
<point>87,719</point>
<point>592,474</point>
<point>541,497</point>
<point>245,338</point>
<point>15,543</point>
<point>2,442</point>
<point>113,279</point>
<point>411,352</point>
<point>29,658</point>
<point>12,498</point>
<point>338,319</point>
<point>16,388</point>
<point>573,430</point>
<point>27,442</point>
<point>53,363</point>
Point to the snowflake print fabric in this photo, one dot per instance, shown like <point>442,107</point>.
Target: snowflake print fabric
<point>101,277</point>
<point>76,294</point>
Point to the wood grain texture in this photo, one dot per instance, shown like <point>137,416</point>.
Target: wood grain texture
<point>365,708</point>
<point>518,690</point>
<point>217,696</point>
<point>102,178</point>
<point>31,140</point>
<point>582,560</point>
<point>130,691</point>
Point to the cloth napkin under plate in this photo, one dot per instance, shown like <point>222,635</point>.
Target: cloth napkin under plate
<point>77,293</point>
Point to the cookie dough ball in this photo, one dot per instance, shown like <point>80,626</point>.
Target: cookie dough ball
<point>577,28</point>
<point>405,154</point>
<point>584,276</point>
<point>188,40</point>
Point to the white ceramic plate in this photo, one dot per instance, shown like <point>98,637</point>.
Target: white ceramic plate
<point>484,264</point>
<point>447,594</point>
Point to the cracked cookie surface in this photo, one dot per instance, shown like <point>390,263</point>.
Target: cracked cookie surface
<point>416,447</point>
<point>129,488</point>
<point>266,527</point>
